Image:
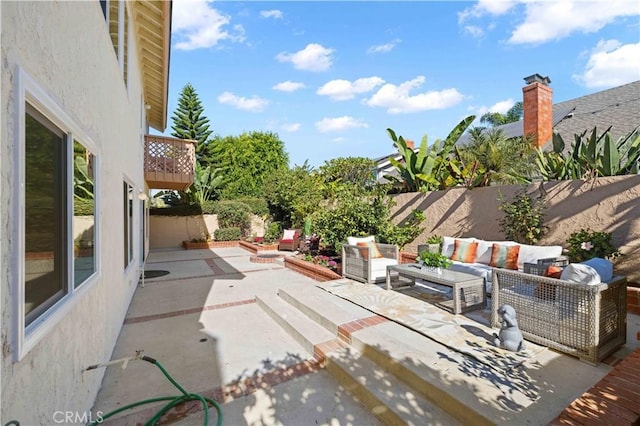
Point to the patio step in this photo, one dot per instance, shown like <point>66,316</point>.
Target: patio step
<point>428,368</point>
<point>304,331</point>
<point>390,400</point>
<point>323,308</point>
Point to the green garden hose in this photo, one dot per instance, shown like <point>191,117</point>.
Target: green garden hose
<point>173,400</point>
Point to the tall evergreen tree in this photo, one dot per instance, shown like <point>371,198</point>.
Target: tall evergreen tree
<point>189,122</point>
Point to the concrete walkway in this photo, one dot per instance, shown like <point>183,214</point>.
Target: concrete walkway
<point>207,323</point>
<point>202,323</point>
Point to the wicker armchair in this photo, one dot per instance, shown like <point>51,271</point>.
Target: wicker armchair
<point>586,321</point>
<point>357,264</point>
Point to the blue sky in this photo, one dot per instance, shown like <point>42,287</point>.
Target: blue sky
<point>330,77</point>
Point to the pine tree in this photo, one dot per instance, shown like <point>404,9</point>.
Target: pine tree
<point>189,122</point>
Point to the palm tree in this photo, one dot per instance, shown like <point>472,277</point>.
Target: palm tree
<point>498,159</point>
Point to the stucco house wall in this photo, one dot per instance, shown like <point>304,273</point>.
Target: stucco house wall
<point>608,204</point>
<point>66,49</point>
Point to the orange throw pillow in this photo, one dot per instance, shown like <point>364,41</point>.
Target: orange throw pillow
<point>553,271</point>
<point>464,251</point>
<point>373,251</point>
<point>504,256</point>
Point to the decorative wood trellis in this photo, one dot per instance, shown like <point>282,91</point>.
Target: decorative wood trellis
<point>169,163</point>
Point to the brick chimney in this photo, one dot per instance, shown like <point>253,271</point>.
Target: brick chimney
<point>538,109</point>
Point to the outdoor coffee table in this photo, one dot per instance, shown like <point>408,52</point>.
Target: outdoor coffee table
<point>468,290</point>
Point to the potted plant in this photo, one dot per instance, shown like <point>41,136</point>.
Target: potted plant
<point>434,242</point>
<point>436,261</point>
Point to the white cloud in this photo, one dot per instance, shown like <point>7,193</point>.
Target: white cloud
<point>338,139</point>
<point>288,86</point>
<point>314,57</point>
<point>611,64</point>
<point>195,25</point>
<point>397,99</point>
<point>275,14</point>
<point>545,21</point>
<point>291,127</point>
<point>253,104</point>
<point>339,124</point>
<point>483,7</point>
<point>342,90</point>
<point>549,20</point>
<point>474,31</point>
<point>384,48</point>
<point>502,106</point>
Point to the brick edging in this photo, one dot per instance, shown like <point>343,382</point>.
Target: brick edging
<point>255,248</point>
<point>318,273</point>
<point>613,400</point>
<point>188,245</point>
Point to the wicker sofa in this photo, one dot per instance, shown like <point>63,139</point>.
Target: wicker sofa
<point>586,321</point>
<point>481,267</point>
<point>357,264</point>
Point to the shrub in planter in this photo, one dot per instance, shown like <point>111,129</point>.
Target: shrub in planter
<point>227,234</point>
<point>233,214</point>
<point>273,231</point>
<point>586,244</point>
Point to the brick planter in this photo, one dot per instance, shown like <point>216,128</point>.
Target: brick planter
<point>407,257</point>
<point>266,258</point>
<point>255,248</point>
<point>311,270</point>
<point>188,245</point>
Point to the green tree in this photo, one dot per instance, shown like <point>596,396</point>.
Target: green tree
<point>495,119</point>
<point>433,167</point>
<point>189,122</point>
<point>293,194</point>
<point>347,173</point>
<point>205,182</point>
<point>247,160</point>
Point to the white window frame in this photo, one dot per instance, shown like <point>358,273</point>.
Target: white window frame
<point>25,337</point>
<point>130,249</point>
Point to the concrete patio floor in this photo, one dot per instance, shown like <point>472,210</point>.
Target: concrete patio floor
<point>203,322</point>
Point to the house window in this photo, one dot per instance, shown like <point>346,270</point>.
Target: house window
<point>84,208</point>
<point>128,223</point>
<point>45,213</point>
<point>56,168</point>
<point>118,20</point>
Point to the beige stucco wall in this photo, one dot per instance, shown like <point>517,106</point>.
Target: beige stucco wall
<point>609,204</point>
<point>171,231</point>
<point>65,48</point>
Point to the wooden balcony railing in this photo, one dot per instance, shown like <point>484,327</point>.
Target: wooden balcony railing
<point>169,163</point>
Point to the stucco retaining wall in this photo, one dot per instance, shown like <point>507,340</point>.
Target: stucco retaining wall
<point>610,204</point>
<point>171,231</point>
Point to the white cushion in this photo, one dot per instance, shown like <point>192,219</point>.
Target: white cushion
<point>379,266</point>
<point>580,273</point>
<point>289,234</point>
<point>478,269</point>
<point>531,254</point>
<point>603,267</point>
<point>352,241</point>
